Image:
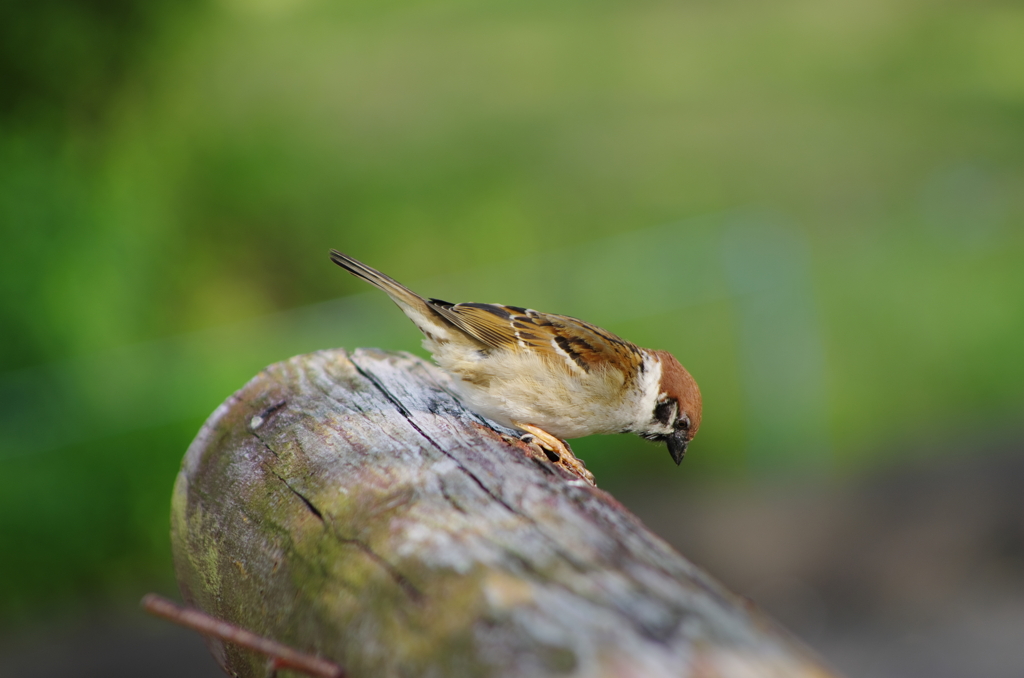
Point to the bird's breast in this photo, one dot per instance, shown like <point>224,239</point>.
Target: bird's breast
<point>510,386</point>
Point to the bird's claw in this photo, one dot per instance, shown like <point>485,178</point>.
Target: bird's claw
<point>557,451</point>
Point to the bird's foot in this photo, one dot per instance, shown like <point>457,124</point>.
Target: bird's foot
<point>557,451</point>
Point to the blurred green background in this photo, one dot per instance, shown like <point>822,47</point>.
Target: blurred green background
<point>819,207</point>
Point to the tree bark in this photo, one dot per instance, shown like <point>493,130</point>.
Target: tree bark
<point>349,506</point>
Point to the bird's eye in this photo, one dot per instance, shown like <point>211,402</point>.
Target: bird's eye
<point>683,423</point>
<point>663,411</point>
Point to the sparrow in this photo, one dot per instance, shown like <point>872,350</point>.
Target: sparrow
<point>550,376</point>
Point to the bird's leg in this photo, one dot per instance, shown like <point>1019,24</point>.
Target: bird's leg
<point>564,456</point>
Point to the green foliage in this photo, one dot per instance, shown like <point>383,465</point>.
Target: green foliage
<point>62,60</point>
<point>88,519</point>
<point>171,180</point>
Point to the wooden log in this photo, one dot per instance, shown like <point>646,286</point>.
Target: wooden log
<point>350,507</point>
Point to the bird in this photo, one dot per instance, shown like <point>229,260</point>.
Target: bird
<point>553,377</point>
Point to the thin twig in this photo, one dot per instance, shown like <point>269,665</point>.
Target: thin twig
<point>282,656</point>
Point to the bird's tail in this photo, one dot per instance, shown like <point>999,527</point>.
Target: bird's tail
<point>419,310</point>
<point>395,290</point>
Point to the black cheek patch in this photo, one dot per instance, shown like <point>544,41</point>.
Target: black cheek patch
<point>663,411</point>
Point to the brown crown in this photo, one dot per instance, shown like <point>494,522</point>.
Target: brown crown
<point>679,384</point>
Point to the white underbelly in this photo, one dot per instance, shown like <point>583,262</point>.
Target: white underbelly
<point>510,387</point>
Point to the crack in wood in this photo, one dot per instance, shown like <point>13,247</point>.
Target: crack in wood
<point>408,417</point>
<point>372,378</point>
<point>264,443</point>
<point>396,575</point>
<point>305,500</point>
<point>400,579</point>
<point>265,414</point>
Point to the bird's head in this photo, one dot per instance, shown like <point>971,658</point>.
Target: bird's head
<point>677,409</point>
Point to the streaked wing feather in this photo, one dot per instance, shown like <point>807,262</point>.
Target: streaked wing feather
<point>483,322</point>
<point>588,346</point>
<point>560,338</point>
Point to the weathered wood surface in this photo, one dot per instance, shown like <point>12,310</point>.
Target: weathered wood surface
<point>349,506</point>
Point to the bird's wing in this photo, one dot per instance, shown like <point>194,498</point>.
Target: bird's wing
<point>489,324</point>
<point>559,338</point>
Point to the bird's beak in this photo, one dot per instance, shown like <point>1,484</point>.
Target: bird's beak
<point>677,443</point>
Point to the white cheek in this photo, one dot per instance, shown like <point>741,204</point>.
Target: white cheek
<point>649,392</point>
<point>662,429</point>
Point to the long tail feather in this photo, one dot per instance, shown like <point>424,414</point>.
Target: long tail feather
<point>374,277</point>
<point>420,311</point>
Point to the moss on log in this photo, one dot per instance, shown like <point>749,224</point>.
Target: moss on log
<point>349,506</point>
